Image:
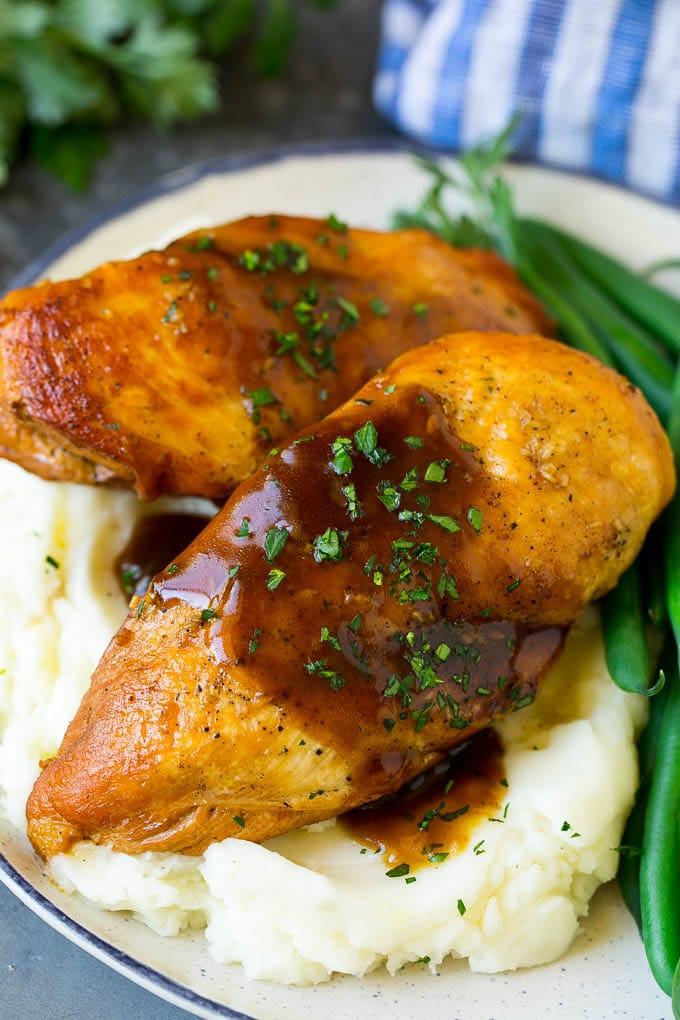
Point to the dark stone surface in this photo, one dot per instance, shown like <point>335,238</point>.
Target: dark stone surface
<point>324,94</point>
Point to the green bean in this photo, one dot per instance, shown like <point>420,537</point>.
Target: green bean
<point>653,583</point>
<point>633,835</point>
<point>655,309</point>
<point>659,872</point>
<point>625,641</point>
<point>577,332</point>
<point>634,350</point>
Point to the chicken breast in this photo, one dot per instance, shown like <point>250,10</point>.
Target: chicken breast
<point>388,583</point>
<point>177,371</point>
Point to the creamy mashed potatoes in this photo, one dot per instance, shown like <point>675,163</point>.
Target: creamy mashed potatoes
<point>311,902</point>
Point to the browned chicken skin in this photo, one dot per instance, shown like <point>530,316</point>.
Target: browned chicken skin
<point>178,370</point>
<point>385,585</point>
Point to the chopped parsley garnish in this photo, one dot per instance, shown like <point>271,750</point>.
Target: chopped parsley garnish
<point>328,638</point>
<point>378,307</point>
<point>354,507</point>
<point>513,585</point>
<point>436,471</point>
<point>279,254</point>
<point>366,439</point>
<point>254,643</point>
<point>420,309</point>
<point>355,623</point>
<point>336,224</point>
<point>389,495</point>
<point>274,578</point>
<point>350,309</point>
<point>474,516</point>
<point>207,614</point>
<point>262,397</point>
<point>52,562</point>
<point>330,545</point>
<point>321,668</point>
<point>461,907</point>
<point>399,872</point>
<point>170,313</point>
<point>213,273</point>
<point>244,529</point>
<point>342,462</point>
<point>445,522</point>
<point>239,821</point>
<point>274,541</point>
<point>415,442</point>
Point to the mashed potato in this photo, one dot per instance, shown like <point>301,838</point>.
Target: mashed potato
<point>311,903</point>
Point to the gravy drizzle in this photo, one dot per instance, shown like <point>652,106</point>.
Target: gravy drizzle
<point>435,814</point>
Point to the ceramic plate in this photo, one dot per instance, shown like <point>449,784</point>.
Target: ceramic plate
<point>605,972</point>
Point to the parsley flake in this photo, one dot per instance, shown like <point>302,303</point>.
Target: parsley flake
<point>274,541</point>
<point>474,516</point>
<point>330,545</point>
<point>399,872</point>
<point>378,307</point>
<point>274,578</point>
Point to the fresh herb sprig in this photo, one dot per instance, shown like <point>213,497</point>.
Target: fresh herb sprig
<point>617,315</point>
<point>70,68</point>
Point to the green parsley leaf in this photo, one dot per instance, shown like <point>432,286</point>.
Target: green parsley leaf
<point>445,522</point>
<point>436,471</point>
<point>274,578</point>
<point>351,311</point>
<point>474,516</point>
<point>399,871</point>
<point>274,541</point>
<point>337,225</point>
<point>342,449</point>
<point>330,545</point>
<point>378,307</point>
<point>366,439</point>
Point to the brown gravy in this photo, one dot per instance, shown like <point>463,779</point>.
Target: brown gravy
<point>156,539</point>
<point>435,814</point>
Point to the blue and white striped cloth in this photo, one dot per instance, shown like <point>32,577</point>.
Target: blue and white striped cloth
<point>598,81</point>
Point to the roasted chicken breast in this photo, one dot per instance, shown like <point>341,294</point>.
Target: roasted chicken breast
<point>178,370</point>
<point>389,582</point>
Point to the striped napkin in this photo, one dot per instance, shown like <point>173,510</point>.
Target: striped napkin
<point>598,81</point>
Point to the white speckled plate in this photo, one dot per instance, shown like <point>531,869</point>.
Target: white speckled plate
<point>605,973</point>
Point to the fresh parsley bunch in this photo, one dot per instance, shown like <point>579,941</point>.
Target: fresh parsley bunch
<point>71,68</point>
